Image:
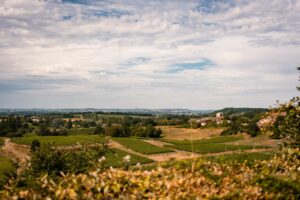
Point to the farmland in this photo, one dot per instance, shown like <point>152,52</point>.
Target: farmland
<point>211,145</point>
<point>212,148</point>
<point>175,133</point>
<point>218,139</point>
<point>115,157</point>
<point>141,146</point>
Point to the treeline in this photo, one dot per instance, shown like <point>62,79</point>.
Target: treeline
<point>127,131</point>
<point>14,126</point>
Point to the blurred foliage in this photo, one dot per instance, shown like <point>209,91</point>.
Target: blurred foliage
<point>287,123</point>
<point>277,178</point>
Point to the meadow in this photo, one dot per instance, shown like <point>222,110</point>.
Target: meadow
<point>141,146</point>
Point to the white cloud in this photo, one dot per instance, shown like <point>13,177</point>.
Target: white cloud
<point>118,54</point>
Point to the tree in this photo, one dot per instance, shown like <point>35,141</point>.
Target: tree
<point>35,144</point>
<point>69,124</point>
<point>99,130</point>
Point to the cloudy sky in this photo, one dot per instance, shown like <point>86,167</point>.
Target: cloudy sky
<point>198,54</point>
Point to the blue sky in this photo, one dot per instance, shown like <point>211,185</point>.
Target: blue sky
<point>196,54</point>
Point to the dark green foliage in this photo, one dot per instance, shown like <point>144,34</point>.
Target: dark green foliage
<point>69,124</point>
<point>51,160</point>
<point>99,130</point>
<point>35,144</point>
<point>12,126</point>
<point>45,131</point>
<point>125,131</point>
<point>287,123</point>
<point>289,189</point>
<point>246,123</point>
<point>116,131</point>
<point>240,111</point>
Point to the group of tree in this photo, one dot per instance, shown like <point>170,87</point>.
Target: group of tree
<point>121,130</point>
<point>13,126</point>
<point>244,123</point>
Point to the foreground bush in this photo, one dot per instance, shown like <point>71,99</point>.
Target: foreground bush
<point>278,178</point>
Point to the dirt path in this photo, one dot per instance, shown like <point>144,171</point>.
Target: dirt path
<point>18,153</point>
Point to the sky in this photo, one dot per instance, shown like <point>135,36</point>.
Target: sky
<point>196,54</point>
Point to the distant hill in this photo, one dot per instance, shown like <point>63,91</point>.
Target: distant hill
<point>237,111</point>
<point>121,111</point>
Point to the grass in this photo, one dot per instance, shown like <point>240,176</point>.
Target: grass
<point>141,146</point>
<point>219,139</point>
<point>212,147</point>
<point>61,140</point>
<point>6,166</point>
<point>81,131</point>
<point>115,157</point>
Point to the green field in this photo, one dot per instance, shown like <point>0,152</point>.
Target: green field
<point>140,146</point>
<point>241,157</point>
<point>81,131</point>
<point>61,140</point>
<point>219,139</point>
<point>212,147</point>
<point>115,157</point>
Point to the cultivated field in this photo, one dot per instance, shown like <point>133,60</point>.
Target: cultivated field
<point>115,157</point>
<point>212,148</point>
<point>141,146</point>
<point>211,145</point>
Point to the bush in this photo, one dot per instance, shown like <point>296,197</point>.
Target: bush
<point>51,160</point>
<point>35,144</point>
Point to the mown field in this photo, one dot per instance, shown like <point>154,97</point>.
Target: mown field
<point>176,133</point>
<point>60,140</point>
<point>218,139</point>
<point>141,146</point>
